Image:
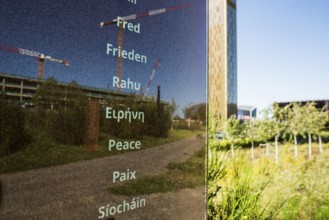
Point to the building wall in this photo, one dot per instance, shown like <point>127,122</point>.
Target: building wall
<point>222,58</point>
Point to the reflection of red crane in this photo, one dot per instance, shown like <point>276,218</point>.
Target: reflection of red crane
<point>133,17</point>
<point>156,65</point>
<point>41,58</point>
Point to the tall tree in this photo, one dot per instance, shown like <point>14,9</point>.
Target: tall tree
<point>187,111</point>
<point>65,123</point>
<point>48,95</point>
<point>13,133</point>
<point>172,109</point>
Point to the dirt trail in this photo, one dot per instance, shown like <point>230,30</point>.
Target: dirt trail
<point>77,190</point>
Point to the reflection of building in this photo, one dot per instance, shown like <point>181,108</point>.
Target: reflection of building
<point>222,57</point>
<point>22,89</point>
<point>246,112</point>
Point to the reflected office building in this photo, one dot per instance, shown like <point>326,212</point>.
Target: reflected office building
<point>222,58</point>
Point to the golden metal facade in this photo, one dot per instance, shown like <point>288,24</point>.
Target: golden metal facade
<point>222,58</point>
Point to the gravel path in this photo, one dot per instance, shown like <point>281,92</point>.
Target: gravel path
<point>77,190</point>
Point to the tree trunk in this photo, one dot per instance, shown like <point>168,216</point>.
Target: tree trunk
<point>296,149</point>
<point>320,144</point>
<point>276,150</point>
<point>267,153</point>
<point>232,149</point>
<point>309,144</point>
<point>252,150</point>
<point>172,124</point>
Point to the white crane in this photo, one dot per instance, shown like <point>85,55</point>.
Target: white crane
<point>133,17</point>
<point>40,56</point>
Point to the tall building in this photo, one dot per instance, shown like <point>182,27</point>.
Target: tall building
<point>222,58</point>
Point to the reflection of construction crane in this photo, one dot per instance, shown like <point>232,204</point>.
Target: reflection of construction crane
<point>156,65</point>
<point>133,17</point>
<point>41,58</point>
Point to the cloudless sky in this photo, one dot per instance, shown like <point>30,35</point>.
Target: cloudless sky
<point>70,30</point>
<point>283,51</point>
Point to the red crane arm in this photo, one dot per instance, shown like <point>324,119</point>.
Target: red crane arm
<point>145,14</point>
<point>32,54</point>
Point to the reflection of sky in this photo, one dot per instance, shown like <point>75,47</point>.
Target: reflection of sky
<point>70,30</point>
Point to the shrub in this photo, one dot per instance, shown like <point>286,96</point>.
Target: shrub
<point>60,112</point>
<point>236,189</point>
<point>13,135</point>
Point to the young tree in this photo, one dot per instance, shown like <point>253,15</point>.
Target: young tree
<point>309,112</point>
<point>266,131</point>
<point>252,131</point>
<point>232,131</point>
<point>314,122</point>
<point>317,120</point>
<point>279,125</point>
<point>320,121</point>
<point>296,123</point>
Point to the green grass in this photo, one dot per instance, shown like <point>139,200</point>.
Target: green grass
<point>188,174</point>
<point>237,193</point>
<point>45,153</point>
<point>261,189</point>
<point>305,181</point>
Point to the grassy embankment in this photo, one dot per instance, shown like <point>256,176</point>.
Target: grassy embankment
<point>261,189</point>
<point>45,153</point>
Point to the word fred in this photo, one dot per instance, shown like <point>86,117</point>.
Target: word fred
<point>130,26</point>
